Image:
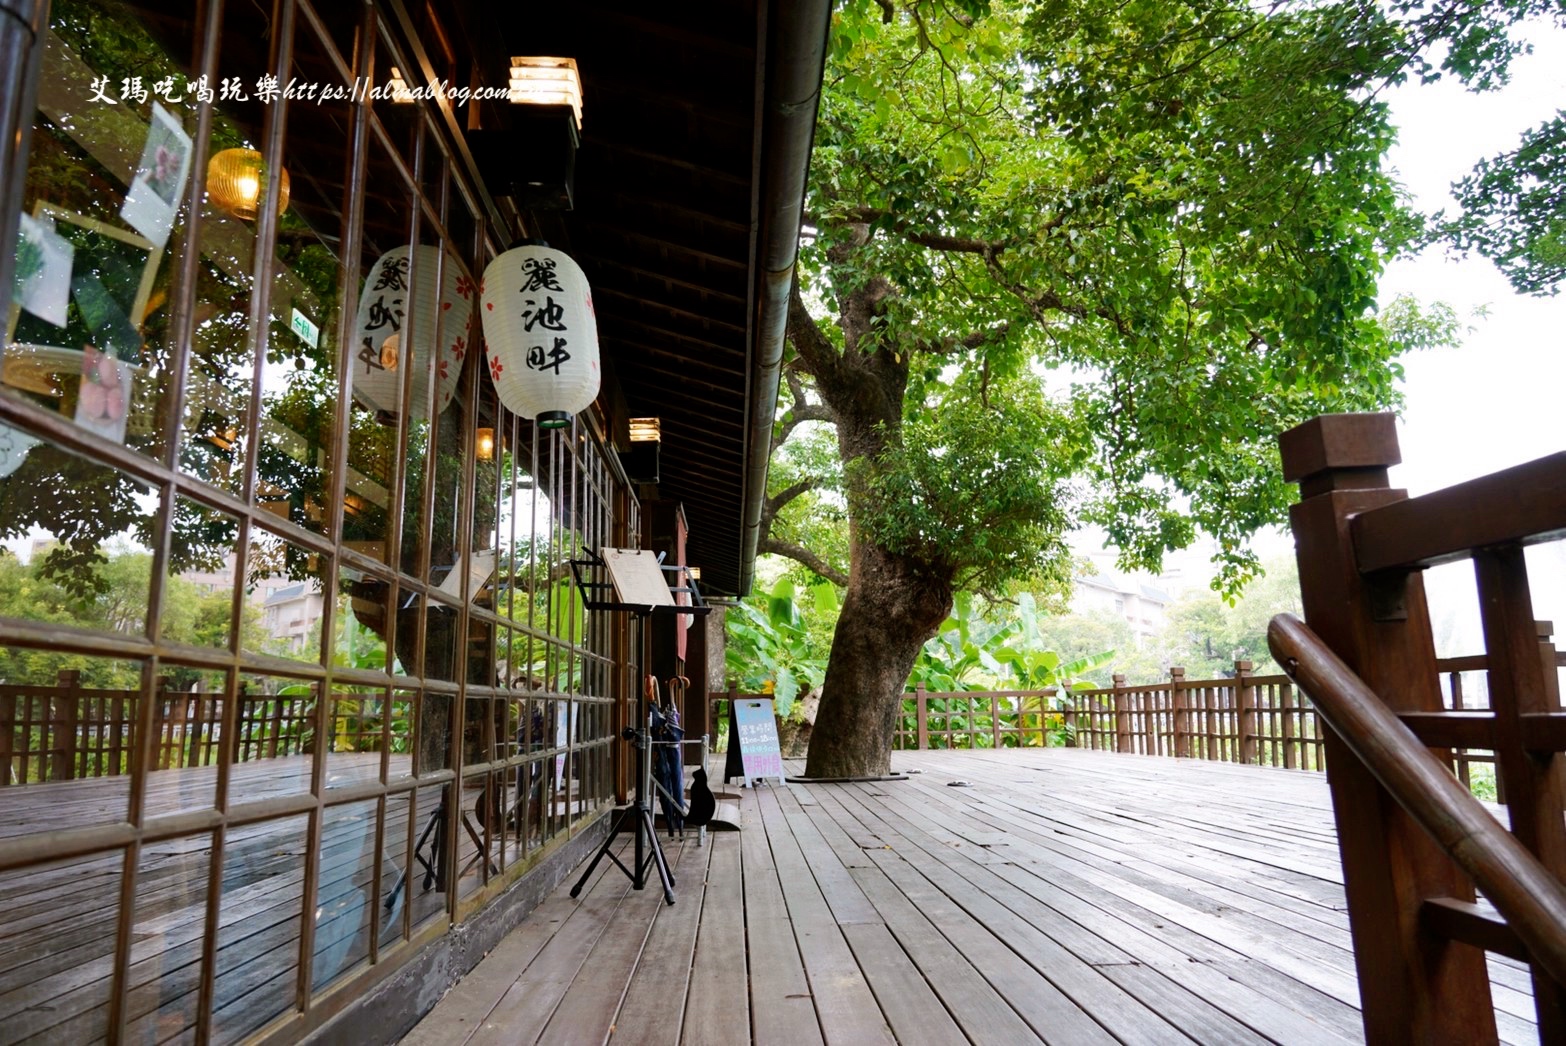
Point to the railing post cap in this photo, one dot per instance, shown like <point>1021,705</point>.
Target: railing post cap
<point>1339,441</point>
<point>1118,678</point>
<point>1177,671</point>
<point>1243,666</point>
<point>1544,629</point>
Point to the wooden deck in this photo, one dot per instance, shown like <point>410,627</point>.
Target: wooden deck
<point>57,924</point>
<point>1065,896</point>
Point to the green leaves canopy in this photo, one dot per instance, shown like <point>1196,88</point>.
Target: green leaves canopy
<point>1184,204</point>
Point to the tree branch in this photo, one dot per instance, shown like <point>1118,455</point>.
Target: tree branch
<point>805,557</point>
<point>773,505</point>
<point>815,351</point>
<point>978,339</point>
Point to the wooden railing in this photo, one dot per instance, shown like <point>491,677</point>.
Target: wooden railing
<point>1259,720</point>
<point>1241,719</point>
<point>66,731</point>
<point>1413,845</point>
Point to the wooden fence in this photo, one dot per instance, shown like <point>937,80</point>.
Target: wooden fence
<point>66,732</point>
<point>1260,720</point>
<point>1245,718</point>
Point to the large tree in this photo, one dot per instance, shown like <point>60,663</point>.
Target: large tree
<point>1182,205</point>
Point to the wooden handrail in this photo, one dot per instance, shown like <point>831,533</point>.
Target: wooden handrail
<point>1532,900</point>
<point>1523,505</point>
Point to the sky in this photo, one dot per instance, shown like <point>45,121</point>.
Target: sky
<point>1500,399</point>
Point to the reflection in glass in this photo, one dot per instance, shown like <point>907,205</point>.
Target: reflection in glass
<point>102,212</point>
<point>432,747</point>
<point>345,902</point>
<point>404,715</point>
<point>67,736</point>
<point>60,919</point>
<point>258,926</point>
<point>198,593</point>
<point>276,735</point>
<point>429,869</point>
<point>78,549</point>
<point>360,632</point>
<point>282,597</point>
<point>170,921</point>
<point>299,373</point>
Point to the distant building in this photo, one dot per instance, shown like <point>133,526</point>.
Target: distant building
<point>1143,606</point>
<point>291,613</point>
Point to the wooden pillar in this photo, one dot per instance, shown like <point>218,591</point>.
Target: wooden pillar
<point>922,714</point>
<point>1122,726</point>
<point>1182,721</point>
<point>7,733</point>
<point>1520,685</point>
<point>63,725</point>
<point>1244,713</point>
<point>1414,987</point>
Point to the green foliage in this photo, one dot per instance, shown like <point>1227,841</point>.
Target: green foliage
<point>1207,634</point>
<point>1514,210</point>
<point>970,489</point>
<point>998,646</point>
<point>771,646</point>
<point>1186,202</point>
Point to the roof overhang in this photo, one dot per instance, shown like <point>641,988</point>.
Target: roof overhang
<point>689,187</point>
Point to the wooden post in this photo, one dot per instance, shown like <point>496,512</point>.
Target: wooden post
<point>194,737</point>
<point>1244,713</point>
<point>922,716</point>
<point>995,737</point>
<point>1182,724</point>
<point>1122,726</point>
<point>1535,782</point>
<point>276,725</point>
<point>7,733</point>
<point>1413,986</point>
<point>63,724</point>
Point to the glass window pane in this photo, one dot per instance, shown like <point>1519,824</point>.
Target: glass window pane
<point>429,870</point>
<point>379,363</point>
<point>361,724</point>
<point>198,593</point>
<point>258,928</point>
<point>347,909</point>
<point>171,909</point>
<point>105,211</point>
<point>283,602</point>
<point>77,547</point>
<point>276,736</point>
<point>68,740</point>
<point>57,949</point>
<point>360,630</point>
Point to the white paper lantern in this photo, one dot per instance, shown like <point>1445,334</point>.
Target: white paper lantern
<point>541,334</point>
<point>382,349</point>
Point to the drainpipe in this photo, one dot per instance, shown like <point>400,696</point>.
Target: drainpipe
<point>21,55</point>
<point>796,56</point>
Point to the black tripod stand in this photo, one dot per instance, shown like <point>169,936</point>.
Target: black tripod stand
<point>639,817</point>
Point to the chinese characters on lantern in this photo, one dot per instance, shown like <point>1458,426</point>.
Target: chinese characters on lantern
<point>540,312</point>
<point>393,279</point>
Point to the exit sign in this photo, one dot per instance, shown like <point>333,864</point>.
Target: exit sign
<point>308,332</point>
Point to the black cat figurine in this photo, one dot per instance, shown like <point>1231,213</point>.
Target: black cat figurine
<point>702,803</point>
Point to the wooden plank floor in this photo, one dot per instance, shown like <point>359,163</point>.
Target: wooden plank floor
<point>1061,896</point>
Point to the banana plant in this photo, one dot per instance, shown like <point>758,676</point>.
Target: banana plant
<point>771,643</point>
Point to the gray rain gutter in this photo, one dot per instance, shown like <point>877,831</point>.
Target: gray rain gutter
<point>796,58</point>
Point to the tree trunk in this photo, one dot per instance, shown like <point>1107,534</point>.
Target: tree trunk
<point>889,611</point>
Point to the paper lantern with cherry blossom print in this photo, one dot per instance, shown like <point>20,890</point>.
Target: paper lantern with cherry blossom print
<point>540,334</point>
<point>383,347</point>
